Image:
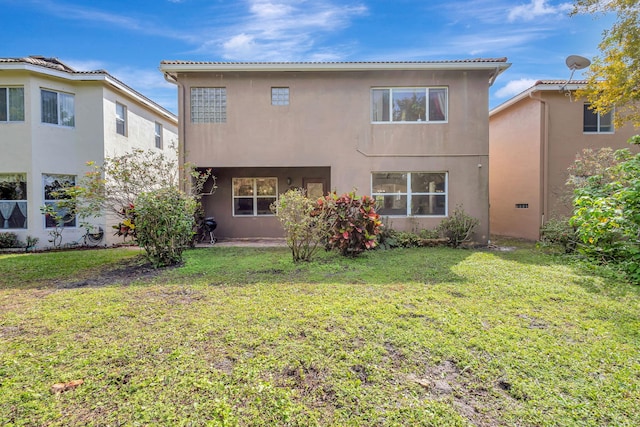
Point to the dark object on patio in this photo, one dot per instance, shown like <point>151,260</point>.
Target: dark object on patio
<point>209,224</point>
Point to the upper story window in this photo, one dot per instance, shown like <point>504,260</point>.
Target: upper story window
<point>121,119</point>
<point>58,108</point>
<point>208,105</point>
<point>279,96</point>
<point>254,196</point>
<point>13,201</point>
<point>158,135</point>
<point>11,104</point>
<point>595,122</point>
<point>409,104</point>
<point>410,193</point>
<point>52,184</point>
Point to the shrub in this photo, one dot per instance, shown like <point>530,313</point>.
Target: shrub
<point>559,232</point>
<point>9,240</point>
<point>164,225</point>
<point>306,227</point>
<point>607,215</point>
<point>354,222</point>
<point>458,228</point>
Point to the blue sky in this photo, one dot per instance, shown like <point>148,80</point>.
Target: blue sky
<point>129,39</point>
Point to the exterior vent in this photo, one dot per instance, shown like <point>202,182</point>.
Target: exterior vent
<point>522,205</point>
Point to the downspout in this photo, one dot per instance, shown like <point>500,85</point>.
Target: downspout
<point>544,154</point>
<point>182,130</point>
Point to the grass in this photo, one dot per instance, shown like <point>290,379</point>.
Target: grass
<point>243,336</point>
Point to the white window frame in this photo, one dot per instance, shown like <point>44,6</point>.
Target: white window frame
<point>420,120</point>
<point>54,202</point>
<point>208,104</point>
<point>280,96</point>
<point>121,119</point>
<point>409,193</point>
<point>61,108</point>
<point>8,98</point>
<point>598,124</point>
<point>254,196</point>
<point>8,207</point>
<point>158,135</point>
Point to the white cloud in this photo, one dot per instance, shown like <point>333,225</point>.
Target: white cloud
<point>282,30</point>
<point>514,87</point>
<point>536,9</point>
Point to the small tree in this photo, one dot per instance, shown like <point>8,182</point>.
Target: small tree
<point>306,227</point>
<point>354,222</point>
<point>115,186</point>
<point>165,222</point>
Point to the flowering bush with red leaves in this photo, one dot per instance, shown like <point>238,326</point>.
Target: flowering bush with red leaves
<point>355,223</point>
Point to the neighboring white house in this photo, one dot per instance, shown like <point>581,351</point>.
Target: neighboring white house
<point>53,119</point>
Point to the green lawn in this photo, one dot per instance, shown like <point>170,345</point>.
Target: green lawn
<point>242,336</point>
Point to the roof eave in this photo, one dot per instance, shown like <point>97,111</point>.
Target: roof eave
<point>99,76</point>
<point>540,87</point>
<point>323,67</point>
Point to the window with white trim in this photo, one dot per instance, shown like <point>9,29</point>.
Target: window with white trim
<point>57,108</point>
<point>409,104</point>
<point>208,105</point>
<point>51,185</point>
<point>11,104</point>
<point>410,193</point>
<point>13,200</point>
<point>121,119</point>
<point>279,96</point>
<point>595,122</point>
<point>158,135</point>
<point>254,196</point>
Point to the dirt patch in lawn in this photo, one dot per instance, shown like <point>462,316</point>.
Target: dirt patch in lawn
<point>124,274</point>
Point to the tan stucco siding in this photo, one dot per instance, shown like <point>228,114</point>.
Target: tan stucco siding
<point>515,172</point>
<point>328,124</point>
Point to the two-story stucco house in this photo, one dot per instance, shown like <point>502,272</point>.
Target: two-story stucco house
<point>534,138</point>
<point>53,119</point>
<point>414,135</point>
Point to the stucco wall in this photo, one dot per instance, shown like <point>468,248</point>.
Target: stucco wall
<point>328,124</point>
<point>521,172</point>
<point>37,148</point>
<point>515,174</point>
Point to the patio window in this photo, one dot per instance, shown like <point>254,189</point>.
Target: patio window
<point>208,105</point>
<point>58,108</point>
<point>595,122</point>
<point>410,193</point>
<point>13,201</point>
<point>52,184</point>
<point>254,196</point>
<point>11,104</point>
<point>409,105</point>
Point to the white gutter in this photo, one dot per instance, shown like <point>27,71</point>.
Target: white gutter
<point>187,67</point>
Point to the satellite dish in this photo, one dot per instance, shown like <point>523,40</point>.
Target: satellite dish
<point>575,62</point>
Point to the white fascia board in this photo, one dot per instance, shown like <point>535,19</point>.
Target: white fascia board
<point>544,87</point>
<point>373,66</point>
